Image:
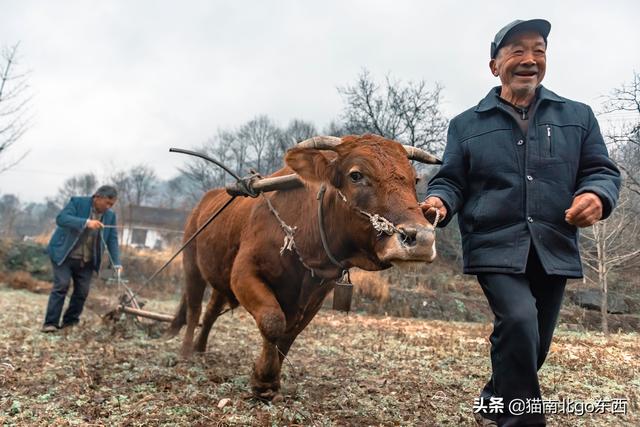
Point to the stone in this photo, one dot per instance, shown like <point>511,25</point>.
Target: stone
<point>592,300</point>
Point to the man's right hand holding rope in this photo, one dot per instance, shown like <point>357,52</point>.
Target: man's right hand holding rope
<point>433,209</point>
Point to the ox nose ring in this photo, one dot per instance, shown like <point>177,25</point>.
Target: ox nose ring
<point>408,236</point>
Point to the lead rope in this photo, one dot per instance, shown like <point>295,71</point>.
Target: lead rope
<point>437,218</point>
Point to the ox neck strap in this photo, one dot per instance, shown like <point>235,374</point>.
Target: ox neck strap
<point>344,288</point>
<point>323,234</point>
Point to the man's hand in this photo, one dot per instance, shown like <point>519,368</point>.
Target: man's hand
<point>94,224</point>
<point>432,205</point>
<point>585,210</point>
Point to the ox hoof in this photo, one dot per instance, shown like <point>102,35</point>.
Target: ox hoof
<point>199,348</point>
<point>171,332</point>
<point>272,396</point>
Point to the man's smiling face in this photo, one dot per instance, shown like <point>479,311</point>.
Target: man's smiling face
<point>521,64</point>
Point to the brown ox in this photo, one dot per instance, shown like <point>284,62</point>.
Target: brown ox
<point>239,254</point>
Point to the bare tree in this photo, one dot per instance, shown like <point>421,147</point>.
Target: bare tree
<point>78,185</point>
<point>142,182</point>
<point>135,187</point>
<point>121,180</point>
<point>608,245</point>
<point>258,135</point>
<point>297,130</point>
<point>335,128</point>
<point>623,107</point>
<point>14,102</point>
<point>238,150</point>
<point>405,112</point>
<point>179,193</point>
<point>200,175</point>
<point>258,144</point>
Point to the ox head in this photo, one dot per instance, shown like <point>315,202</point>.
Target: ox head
<point>376,176</point>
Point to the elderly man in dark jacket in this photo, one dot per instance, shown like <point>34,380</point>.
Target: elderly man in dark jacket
<point>84,227</point>
<point>523,170</point>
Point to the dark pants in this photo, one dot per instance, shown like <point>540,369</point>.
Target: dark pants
<point>526,308</point>
<point>62,274</point>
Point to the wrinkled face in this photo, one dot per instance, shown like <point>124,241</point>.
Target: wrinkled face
<point>375,175</point>
<point>521,64</point>
<point>101,204</point>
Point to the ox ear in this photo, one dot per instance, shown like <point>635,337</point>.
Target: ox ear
<point>311,164</point>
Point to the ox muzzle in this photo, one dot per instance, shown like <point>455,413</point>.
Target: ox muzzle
<point>416,243</point>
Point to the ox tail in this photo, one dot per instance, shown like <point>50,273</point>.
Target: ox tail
<point>180,318</point>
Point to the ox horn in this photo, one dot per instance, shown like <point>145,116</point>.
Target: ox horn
<point>419,155</point>
<point>320,142</point>
<point>328,142</point>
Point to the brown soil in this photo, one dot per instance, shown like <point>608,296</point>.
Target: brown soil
<point>343,370</point>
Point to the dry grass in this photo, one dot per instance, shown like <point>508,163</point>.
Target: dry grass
<point>24,280</point>
<point>371,285</point>
<point>43,238</point>
<point>343,370</point>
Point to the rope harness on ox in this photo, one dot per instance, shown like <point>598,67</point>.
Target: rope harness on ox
<point>289,243</point>
<point>379,223</point>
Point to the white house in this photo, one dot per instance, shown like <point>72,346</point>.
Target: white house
<point>150,227</point>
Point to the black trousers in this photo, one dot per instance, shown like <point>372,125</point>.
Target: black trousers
<point>81,274</point>
<point>526,308</point>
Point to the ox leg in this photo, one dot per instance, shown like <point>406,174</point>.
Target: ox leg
<point>194,294</point>
<point>260,301</point>
<point>285,341</point>
<point>265,381</point>
<point>216,302</point>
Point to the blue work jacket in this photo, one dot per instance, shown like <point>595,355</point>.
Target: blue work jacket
<point>511,190</point>
<point>71,222</point>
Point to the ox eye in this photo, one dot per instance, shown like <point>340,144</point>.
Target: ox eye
<point>356,176</point>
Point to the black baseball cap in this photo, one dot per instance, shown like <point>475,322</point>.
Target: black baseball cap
<point>541,26</point>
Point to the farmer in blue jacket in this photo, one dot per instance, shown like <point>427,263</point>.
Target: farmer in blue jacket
<point>524,169</point>
<point>85,226</point>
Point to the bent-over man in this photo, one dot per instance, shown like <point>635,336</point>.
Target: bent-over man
<point>76,248</point>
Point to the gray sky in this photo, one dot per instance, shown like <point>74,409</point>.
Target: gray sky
<point>116,83</point>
